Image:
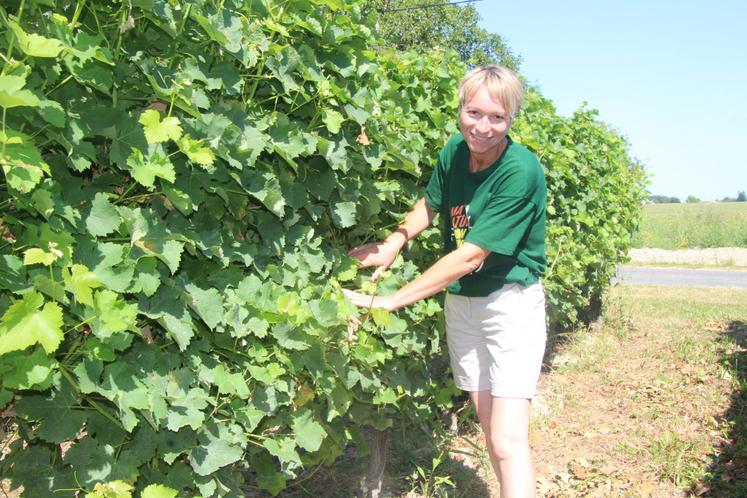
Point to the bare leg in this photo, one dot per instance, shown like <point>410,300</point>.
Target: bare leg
<point>505,422</point>
<point>483,402</point>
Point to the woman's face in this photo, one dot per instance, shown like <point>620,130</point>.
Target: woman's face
<point>484,123</point>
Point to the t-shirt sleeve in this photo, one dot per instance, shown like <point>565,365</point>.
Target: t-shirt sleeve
<point>503,225</point>
<point>433,191</point>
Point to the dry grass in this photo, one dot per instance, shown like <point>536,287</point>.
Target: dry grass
<point>645,404</point>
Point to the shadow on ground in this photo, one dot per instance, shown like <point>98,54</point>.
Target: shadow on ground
<point>416,467</point>
<point>728,473</point>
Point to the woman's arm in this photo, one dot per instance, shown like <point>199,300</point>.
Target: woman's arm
<point>440,275</point>
<point>382,254</point>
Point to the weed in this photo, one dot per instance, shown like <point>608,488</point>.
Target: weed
<point>428,483</point>
<point>676,458</point>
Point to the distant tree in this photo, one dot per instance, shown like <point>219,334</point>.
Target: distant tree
<point>692,199</point>
<point>741,197</point>
<point>663,199</point>
<point>421,25</point>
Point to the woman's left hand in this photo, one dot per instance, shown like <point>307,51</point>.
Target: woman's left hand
<point>366,301</point>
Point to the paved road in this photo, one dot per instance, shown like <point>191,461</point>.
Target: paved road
<point>681,277</point>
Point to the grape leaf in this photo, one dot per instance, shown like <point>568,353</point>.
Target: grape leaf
<point>68,417</point>
<point>12,93</point>
<point>264,187</point>
<point>146,171</point>
<point>113,314</point>
<point>291,337</point>
<point>12,273</point>
<point>157,131</point>
<point>148,279</point>
<point>285,450</point>
<point>188,410</point>
<point>24,324</point>
<point>23,164</point>
<point>104,218</point>
<point>167,307</point>
<point>19,370</point>
<point>35,255</point>
<point>128,390</point>
<point>89,372</point>
<point>195,151</point>
<point>207,303</point>
<point>309,433</point>
<point>52,112</point>
<point>158,491</point>
<point>107,261</point>
<point>36,45</point>
<point>359,115</point>
<point>81,281</point>
<point>111,489</point>
<point>343,214</point>
<point>332,120</point>
<point>172,444</point>
<point>218,446</point>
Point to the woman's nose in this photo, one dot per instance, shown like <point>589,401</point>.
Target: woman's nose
<point>483,124</point>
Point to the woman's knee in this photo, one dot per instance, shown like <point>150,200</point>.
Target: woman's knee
<point>506,446</point>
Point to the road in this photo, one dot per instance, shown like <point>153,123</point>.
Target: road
<point>681,277</point>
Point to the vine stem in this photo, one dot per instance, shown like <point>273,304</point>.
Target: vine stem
<point>68,376</point>
<point>554,260</point>
<point>151,194</point>
<point>129,189</point>
<point>78,10</point>
<point>61,83</point>
<point>10,50</point>
<point>81,323</point>
<point>5,138</point>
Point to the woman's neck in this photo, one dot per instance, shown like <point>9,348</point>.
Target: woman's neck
<point>478,162</point>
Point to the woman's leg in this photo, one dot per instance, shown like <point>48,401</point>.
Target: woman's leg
<point>483,402</point>
<point>505,422</point>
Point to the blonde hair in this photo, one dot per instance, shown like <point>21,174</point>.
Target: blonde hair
<point>502,83</point>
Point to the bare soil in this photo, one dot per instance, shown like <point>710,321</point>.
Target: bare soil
<point>642,408</point>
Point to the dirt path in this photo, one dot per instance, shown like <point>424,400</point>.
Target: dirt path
<point>644,406</point>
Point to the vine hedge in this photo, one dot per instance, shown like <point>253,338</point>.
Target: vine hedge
<point>182,182</point>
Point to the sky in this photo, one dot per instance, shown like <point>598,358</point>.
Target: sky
<point>671,76</point>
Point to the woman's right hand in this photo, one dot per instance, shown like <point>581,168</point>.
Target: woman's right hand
<point>379,254</point>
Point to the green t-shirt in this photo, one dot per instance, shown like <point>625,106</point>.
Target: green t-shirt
<point>501,209</point>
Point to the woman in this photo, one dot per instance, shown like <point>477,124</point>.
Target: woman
<point>491,194</point>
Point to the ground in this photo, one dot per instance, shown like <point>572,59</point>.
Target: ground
<point>649,403</point>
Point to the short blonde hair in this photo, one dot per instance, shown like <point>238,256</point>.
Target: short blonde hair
<point>501,82</point>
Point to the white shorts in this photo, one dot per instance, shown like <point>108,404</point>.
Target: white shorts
<point>497,342</point>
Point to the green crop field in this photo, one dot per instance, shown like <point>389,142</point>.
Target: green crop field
<point>682,226</point>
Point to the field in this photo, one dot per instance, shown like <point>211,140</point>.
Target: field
<point>697,225</point>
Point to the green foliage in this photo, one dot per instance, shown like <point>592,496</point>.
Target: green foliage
<point>595,192</point>
<point>421,26</point>
<point>183,181</point>
<point>663,199</point>
<point>183,184</point>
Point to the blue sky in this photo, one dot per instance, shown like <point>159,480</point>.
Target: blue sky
<point>671,76</point>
